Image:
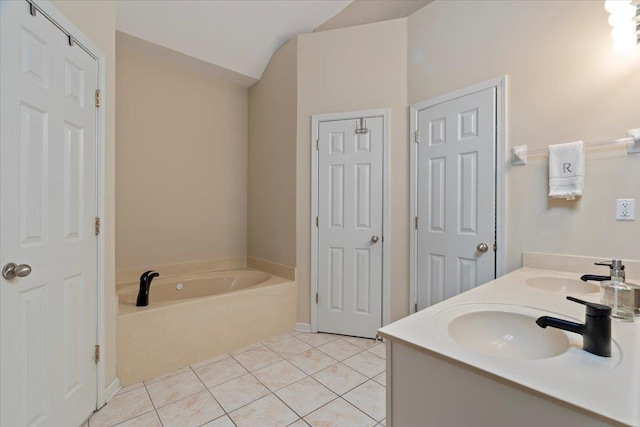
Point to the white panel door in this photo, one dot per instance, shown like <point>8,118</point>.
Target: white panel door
<point>48,205</point>
<point>350,186</point>
<point>456,196</point>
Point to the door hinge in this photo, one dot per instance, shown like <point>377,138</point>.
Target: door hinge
<point>415,308</point>
<point>318,144</point>
<point>32,9</point>
<point>317,297</point>
<point>416,223</point>
<point>97,353</point>
<point>495,246</point>
<point>317,221</point>
<point>98,98</point>
<point>417,136</point>
<point>97,226</point>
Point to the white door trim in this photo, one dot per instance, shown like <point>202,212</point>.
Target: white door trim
<point>53,14</point>
<point>500,83</point>
<point>316,119</point>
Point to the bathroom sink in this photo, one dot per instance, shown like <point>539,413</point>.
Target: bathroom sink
<point>500,330</point>
<point>563,286</point>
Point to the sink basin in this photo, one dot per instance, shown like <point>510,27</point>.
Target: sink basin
<point>563,286</point>
<point>501,330</point>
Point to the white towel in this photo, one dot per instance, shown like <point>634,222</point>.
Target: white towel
<point>566,170</point>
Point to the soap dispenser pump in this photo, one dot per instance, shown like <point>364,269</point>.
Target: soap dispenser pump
<point>616,293</point>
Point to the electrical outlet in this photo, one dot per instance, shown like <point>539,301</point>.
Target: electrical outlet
<point>625,210</point>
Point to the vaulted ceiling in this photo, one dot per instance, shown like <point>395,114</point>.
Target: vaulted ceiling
<point>239,35</point>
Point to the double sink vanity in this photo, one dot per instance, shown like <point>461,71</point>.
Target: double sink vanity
<point>480,359</point>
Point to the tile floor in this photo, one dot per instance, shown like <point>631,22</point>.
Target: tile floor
<point>297,379</point>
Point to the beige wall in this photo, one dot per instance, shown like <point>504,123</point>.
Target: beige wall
<point>181,164</point>
<point>352,69</point>
<point>565,83</point>
<point>97,20</point>
<point>272,160</point>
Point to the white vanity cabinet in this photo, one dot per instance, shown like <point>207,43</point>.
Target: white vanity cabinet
<point>428,390</point>
<point>479,359</point>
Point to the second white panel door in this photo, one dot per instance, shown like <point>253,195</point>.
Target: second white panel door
<point>350,176</point>
<point>456,196</point>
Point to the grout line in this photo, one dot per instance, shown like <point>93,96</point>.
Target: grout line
<point>152,404</point>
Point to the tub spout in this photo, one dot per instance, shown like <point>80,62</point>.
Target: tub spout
<point>145,284</point>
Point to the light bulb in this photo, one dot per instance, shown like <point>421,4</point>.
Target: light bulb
<point>626,43</point>
<point>623,29</point>
<point>611,5</point>
<point>622,14</point>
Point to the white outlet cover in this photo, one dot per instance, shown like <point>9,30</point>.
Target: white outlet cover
<point>625,209</point>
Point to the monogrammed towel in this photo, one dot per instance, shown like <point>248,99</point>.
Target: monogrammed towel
<point>566,170</point>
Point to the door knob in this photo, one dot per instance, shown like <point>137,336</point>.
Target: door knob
<point>374,239</point>
<point>12,270</point>
<point>482,247</point>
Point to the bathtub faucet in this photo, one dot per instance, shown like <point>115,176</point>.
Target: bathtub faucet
<point>145,284</point>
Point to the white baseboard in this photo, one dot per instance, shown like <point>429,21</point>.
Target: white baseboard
<point>303,327</point>
<point>112,389</point>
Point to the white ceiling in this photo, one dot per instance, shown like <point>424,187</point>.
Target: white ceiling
<point>240,35</point>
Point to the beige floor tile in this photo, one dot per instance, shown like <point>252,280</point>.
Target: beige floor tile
<point>277,339</point>
<point>123,407</point>
<point>339,413</point>
<point>247,348</point>
<point>305,396</point>
<point>340,378</point>
<point>369,398</point>
<point>381,379</point>
<point>289,347</point>
<point>210,361</point>
<point>220,372</point>
<point>147,420</point>
<point>224,421</point>
<point>174,388</point>
<point>363,343</point>
<point>366,363</point>
<point>130,387</point>
<point>312,361</point>
<point>317,339</point>
<point>239,392</point>
<point>299,423</point>
<point>167,375</point>
<point>192,411</point>
<point>257,358</point>
<point>279,375</point>
<point>340,349</point>
<point>266,412</point>
<point>379,350</point>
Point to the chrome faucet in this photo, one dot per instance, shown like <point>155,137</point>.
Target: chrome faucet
<point>145,284</point>
<point>596,331</point>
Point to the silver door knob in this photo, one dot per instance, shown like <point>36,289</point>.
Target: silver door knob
<point>12,270</point>
<point>482,247</point>
<point>374,239</point>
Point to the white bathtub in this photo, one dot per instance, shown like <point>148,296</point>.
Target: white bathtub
<point>195,317</point>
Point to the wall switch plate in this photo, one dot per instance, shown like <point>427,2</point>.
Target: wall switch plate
<point>625,210</point>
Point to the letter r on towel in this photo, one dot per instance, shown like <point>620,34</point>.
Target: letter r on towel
<point>566,168</point>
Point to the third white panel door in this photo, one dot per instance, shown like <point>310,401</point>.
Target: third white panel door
<point>456,196</point>
<point>350,245</point>
<point>48,205</point>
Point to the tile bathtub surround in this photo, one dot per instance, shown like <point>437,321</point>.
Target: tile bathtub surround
<point>292,380</point>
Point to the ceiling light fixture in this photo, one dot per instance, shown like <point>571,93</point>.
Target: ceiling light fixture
<point>623,17</point>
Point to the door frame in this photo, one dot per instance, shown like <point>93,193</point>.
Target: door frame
<point>50,12</point>
<point>500,84</point>
<point>316,119</point>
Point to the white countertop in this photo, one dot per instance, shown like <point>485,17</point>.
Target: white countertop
<point>609,387</point>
